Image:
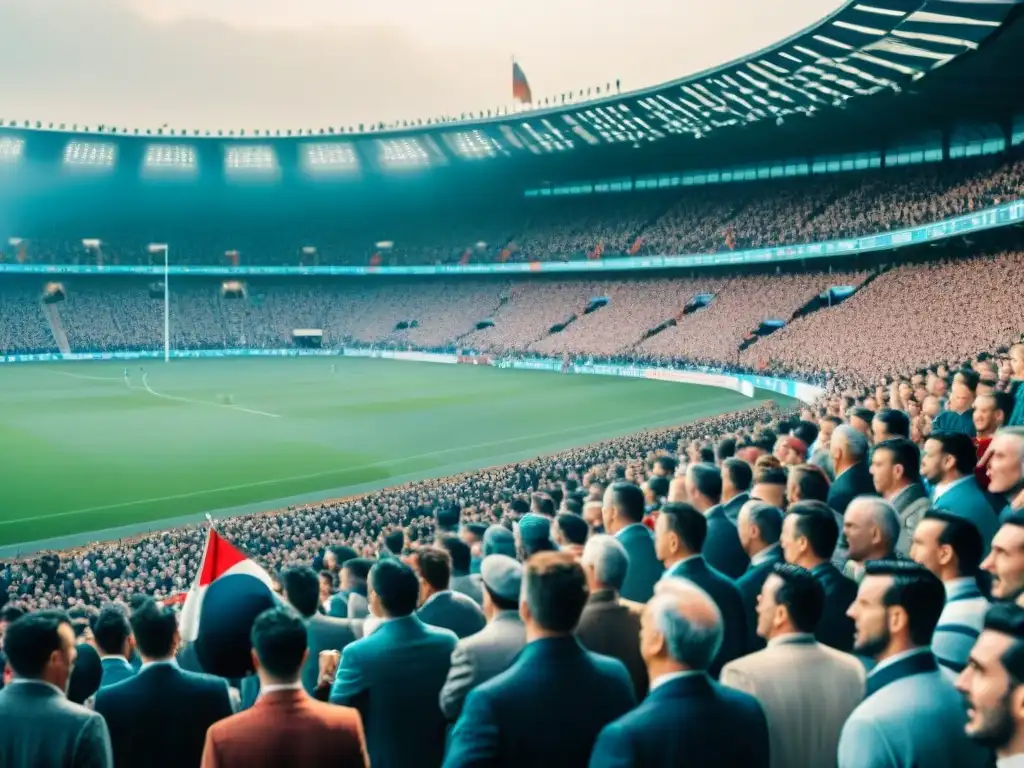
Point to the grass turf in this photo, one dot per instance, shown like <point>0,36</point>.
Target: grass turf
<point>82,451</point>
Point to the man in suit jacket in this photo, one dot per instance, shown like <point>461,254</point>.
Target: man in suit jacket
<point>687,719</point>
<point>896,471</point>
<point>948,464</point>
<point>623,515</point>
<point>722,547</point>
<point>488,653</point>
<point>394,675</point>
<point>160,716</point>
<point>549,706</point>
<point>680,531</point>
<point>462,559</point>
<point>323,633</point>
<point>440,606</point>
<point>807,690</point>
<point>285,726</point>
<point>38,725</point>
<point>809,536</point>
<point>759,527</point>
<point>896,611</point>
<point>849,451</point>
<point>737,477</point>
<point>112,635</point>
<point>1004,562</point>
<point>950,547</point>
<point>609,625</point>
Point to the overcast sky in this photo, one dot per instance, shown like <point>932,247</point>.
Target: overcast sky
<point>312,63</point>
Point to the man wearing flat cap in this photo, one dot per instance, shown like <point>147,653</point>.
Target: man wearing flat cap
<point>488,653</point>
<point>499,540</point>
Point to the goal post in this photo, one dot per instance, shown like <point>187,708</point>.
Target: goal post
<point>158,248</point>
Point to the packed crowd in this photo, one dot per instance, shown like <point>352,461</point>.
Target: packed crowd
<point>794,577</point>
<point>702,219</point>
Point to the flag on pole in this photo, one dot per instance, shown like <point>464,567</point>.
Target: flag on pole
<point>520,85</point>
<point>220,558</point>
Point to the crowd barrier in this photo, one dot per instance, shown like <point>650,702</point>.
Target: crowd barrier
<point>742,383</point>
<point>1001,215</point>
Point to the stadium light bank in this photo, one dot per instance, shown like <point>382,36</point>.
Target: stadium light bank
<point>157,248</point>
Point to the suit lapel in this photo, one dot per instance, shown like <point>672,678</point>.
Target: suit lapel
<point>916,664</point>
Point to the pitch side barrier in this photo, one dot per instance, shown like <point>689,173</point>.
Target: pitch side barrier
<point>741,383</point>
<point>1001,215</point>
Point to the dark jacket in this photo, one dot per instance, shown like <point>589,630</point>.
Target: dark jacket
<point>324,633</point>
<point>854,482</point>
<point>730,603</point>
<point>160,716</point>
<point>734,505</point>
<point>644,567</point>
<point>545,710</point>
<point>454,611</point>
<point>722,548</point>
<point>835,628</point>
<point>749,585</point>
<point>116,669</point>
<point>611,627</point>
<point>690,721</point>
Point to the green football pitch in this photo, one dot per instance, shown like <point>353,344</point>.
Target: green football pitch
<point>82,451</point>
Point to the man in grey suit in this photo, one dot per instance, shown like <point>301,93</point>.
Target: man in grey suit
<point>991,685</point>
<point>948,463</point>
<point>807,690</point>
<point>896,611</point>
<point>354,574</point>
<point>40,727</point>
<point>609,625</point>
<point>896,471</point>
<point>462,560</point>
<point>440,606</point>
<point>623,515</point>
<point>323,633</point>
<point>112,635</point>
<point>478,658</point>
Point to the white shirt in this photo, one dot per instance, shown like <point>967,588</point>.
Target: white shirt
<point>943,488</point>
<point>267,689</point>
<point>660,681</point>
<point>764,554</point>
<point>1013,761</point>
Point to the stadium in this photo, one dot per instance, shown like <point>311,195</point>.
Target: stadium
<point>314,337</point>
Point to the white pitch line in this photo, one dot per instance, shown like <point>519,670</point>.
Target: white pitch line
<point>90,378</point>
<point>325,473</point>
<point>145,383</point>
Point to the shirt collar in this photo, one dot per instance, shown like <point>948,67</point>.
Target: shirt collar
<point>436,594</point>
<point>30,681</point>
<point>764,554</point>
<point>901,492</point>
<point>793,638</point>
<point>115,657</point>
<point>266,690</point>
<point>954,586</point>
<point>668,678</point>
<point>898,657</point>
<point>675,565</point>
<point>620,534</point>
<point>943,488</point>
<point>170,662</point>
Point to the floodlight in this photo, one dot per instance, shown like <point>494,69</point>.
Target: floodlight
<point>157,247</point>
<point>384,245</point>
<point>15,241</point>
<point>91,242</point>
<point>309,250</point>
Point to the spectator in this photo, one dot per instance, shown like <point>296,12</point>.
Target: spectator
<point>40,726</point>
<point>681,531</point>
<point>499,541</point>
<point>871,528</point>
<point>959,417</point>
<point>488,653</point>
<point>623,514</point>
<point>1005,560</point>
<point>462,559</point>
<point>991,412</point>
<point>809,536</point>
<point>285,726</point>
<point>889,424</point>
<point>609,625</point>
<point>354,575</point>
<point>770,486</point>
<point>518,718</point>
<point>533,535</point>
<point>737,478</point>
<point>722,548</point>
<point>112,636</point>
<point>896,472</point>
<point>395,675</point>
<point>760,526</point>
<point>571,533</point>
<point>807,690</point>
<point>948,464</point>
<point>1006,469</point>
<point>951,548</point>
<point>849,451</point>
<point>897,609</point>
<point>688,718</point>
<point>439,605</point>
<point>160,716</point>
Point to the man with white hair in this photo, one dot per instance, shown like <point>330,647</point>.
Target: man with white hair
<point>849,451</point>
<point>872,528</point>
<point>610,625</point>
<point>688,718</point>
<point>1006,468</point>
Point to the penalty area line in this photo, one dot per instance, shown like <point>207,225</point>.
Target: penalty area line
<point>145,383</point>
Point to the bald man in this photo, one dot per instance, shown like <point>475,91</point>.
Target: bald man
<point>688,718</point>
<point>1006,469</point>
<point>871,526</point>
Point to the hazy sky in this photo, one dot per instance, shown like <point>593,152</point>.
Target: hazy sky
<point>312,63</point>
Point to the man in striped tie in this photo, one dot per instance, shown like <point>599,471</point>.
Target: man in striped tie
<point>950,547</point>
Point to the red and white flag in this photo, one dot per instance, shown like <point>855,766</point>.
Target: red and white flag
<point>220,558</point>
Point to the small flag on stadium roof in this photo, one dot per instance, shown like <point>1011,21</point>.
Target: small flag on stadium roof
<point>520,85</point>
